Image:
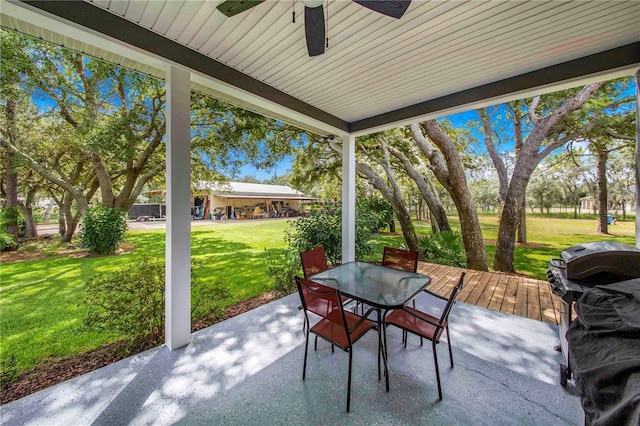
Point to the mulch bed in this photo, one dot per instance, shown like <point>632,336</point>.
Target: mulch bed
<point>59,370</point>
<point>71,251</point>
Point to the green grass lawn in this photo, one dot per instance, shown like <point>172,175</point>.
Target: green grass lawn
<point>41,301</point>
<point>546,238</point>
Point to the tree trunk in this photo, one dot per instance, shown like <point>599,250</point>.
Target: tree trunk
<point>68,225</point>
<point>522,227</point>
<point>528,157</point>
<point>72,221</point>
<point>68,220</point>
<point>603,202</point>
<point>428,195</point>
<point>501,170</point>
<point>30,229</point>
<point>393,196</point>
<point>503,259</point>
<point>11,175</point>
<point>449,171</point>
<point>408,231</point>
<point>11,190</point>
<point>505,245</point>
<point>62,225</point>
<point>434,224</point>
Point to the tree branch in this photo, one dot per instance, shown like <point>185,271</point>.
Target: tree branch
<point>614,134</point>
<point>41,170</point>
<point>503,178</point>
<point>532,110</point>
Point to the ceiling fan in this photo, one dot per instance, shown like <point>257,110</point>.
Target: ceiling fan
<point>314,27</point>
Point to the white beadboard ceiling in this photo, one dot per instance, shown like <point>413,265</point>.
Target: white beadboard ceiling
<point>376,64</point>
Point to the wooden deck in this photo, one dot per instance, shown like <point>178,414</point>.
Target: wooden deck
<point>511,294</point>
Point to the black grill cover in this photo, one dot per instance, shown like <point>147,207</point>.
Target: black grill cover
<point>605,351</point>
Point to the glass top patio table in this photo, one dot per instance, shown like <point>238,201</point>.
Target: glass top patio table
<point>378,286</point>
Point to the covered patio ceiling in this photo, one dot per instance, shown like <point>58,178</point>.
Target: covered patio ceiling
<point>378,72</point>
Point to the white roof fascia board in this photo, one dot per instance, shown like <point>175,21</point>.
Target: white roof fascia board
<point>261,197</point>
<point>280,112</point>
<point>28,13</point>
<point>541,90</point>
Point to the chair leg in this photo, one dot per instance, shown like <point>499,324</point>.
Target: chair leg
<point>435,360</point>
<point>414,306</point>
<point>449,343</point>
<point>306,349</point>
<point>349,383</point>
<point>385,358</point>
<point>315,345</point>
<point>379,352</point>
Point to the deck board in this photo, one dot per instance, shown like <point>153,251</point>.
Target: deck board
<point>533,301</point>
<point>479,289</point>
<point>498,294</point>
<point>488,291</point>
<point>509,302</point>
<point>506,293</point>
<point>471,280</point>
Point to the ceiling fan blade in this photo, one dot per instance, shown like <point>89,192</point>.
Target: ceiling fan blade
<point>394,9</point>
<point>233,7</point>
<point>314,30</point>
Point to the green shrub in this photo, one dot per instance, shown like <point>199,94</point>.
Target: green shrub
<point>102,229</point>
<point>10,216</point>
<point>283,269</point>
<point>207,300</point>
<point>373,213</point>
<point>325,229</point>
<point>7,242</point>
<point>444,248</point>
<point>131,301</point>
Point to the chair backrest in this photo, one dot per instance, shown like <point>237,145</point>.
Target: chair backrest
<point>317,298</point>
<point>313,261</point>
<point>452,299</point>
<point>325,302</point>
<point>400,259</point>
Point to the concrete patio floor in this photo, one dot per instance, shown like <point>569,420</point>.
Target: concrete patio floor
<point>247,370</point>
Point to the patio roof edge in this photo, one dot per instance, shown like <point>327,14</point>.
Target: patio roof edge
<point>625,58</point>
<point>111,25</point>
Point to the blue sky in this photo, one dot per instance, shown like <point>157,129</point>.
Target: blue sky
<point>282,168</point>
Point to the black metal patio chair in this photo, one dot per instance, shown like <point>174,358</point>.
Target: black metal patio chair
<point>339,327</point>
<point>427,326</point>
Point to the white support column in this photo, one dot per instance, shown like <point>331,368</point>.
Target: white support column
<point>638,158</point>
<point>178,239</point>
<point>348,198</point>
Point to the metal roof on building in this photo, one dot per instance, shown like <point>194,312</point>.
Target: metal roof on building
<point>253,190</point>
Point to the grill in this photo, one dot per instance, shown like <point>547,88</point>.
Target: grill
<point>580,268</point>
